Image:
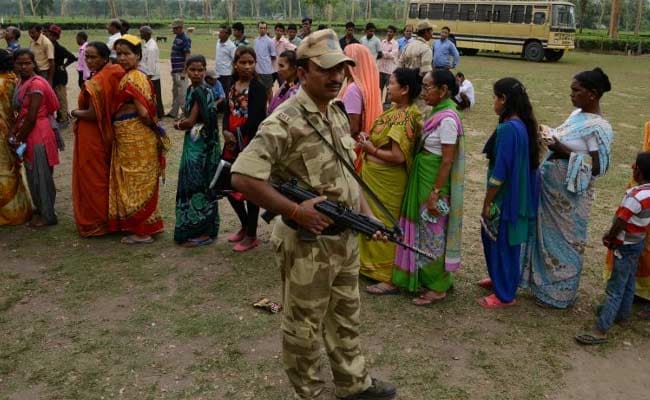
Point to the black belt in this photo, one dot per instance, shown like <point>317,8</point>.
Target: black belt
<point>331,230</point>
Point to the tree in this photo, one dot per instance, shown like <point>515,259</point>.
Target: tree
<point>614,18</point>
<point>111,4</point>
<point>583,9</point>
<point>639,17</point>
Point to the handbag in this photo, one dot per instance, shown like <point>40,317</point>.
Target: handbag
<point>491,225</point>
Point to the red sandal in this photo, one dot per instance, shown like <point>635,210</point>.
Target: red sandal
<point>492,302</point>
<point>485,283</point>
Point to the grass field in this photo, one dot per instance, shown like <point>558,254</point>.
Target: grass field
<point>93,319</point>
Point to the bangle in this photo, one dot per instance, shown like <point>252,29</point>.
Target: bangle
<point>374,153</point>
<point>296,207</point>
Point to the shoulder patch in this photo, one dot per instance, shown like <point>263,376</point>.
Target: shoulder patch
<point>284,117</point>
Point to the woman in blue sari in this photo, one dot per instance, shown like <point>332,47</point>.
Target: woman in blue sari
<point>510,204</point>
<point>579,152</point>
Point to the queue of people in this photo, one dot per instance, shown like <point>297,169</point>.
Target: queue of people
<point>539,184</point>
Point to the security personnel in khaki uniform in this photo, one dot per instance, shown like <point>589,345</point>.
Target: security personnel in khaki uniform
<point>419,53</point>
<point>319,278</point>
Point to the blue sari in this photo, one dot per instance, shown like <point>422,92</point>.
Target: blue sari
<point>553,254</point>
<point>517,199</point>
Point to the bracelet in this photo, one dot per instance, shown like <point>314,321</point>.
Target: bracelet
<point>296,207</point>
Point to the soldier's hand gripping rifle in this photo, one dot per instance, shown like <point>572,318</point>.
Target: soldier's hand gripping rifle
<point>343,217</point>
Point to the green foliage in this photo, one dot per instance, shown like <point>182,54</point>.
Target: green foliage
<point>599,43</point>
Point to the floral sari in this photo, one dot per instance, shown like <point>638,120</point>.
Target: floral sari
<point>197,213</point>
<point>439,236</point>
<point>92,152</point>
<point>554,252</point>
<point>15,206</point>
<point>137,161</point>
<point>388,182</point>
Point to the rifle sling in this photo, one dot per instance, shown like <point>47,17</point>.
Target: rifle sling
<point>314,124</point>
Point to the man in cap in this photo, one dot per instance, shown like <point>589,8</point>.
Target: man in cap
<point>418,53</point>
<point>181,49</point>
<point>319,278</point>
<point>149,65</point>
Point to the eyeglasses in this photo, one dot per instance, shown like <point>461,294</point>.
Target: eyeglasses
<point>426,88</point>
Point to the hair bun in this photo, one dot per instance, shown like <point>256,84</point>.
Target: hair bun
<point>605,84</point>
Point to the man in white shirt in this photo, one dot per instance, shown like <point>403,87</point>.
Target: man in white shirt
<point>371,41</point>
<point>465,96</point>
<point>225,55</point>
<point>282,44</point>
<point>149,65</point>
<point>114,27</point>
<point>388,62</point>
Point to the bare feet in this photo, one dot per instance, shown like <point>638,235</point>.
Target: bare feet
<point>429,297</point>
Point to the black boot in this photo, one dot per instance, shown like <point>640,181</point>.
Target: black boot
<point>378,390</point>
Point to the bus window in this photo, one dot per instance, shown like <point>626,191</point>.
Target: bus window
<point>435,11</point>
<point>517,14</point>
<point>483,12</point>
<point>529,14</point>
<point>423,11</point>
<point>413,10</point>
<point>451,12</point>
<point>501,13</point>
<point>467,12</point>
<point>563,15</point>
<point>539,18</point>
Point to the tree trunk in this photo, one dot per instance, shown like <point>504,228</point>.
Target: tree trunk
<point>615,15</point>
<point>583,9</point>
<point>63,8</point>
<point>21,10</point>
<point>639,17</point>
<point>601,3</point>
<point>229,10</point>
<point>146,9</point>
<point>33,7</point>
<point>111,4</point>
<point>330,11</point>
<point>290,10</point>
<point>181,6</point>
<point>300,9</point>
<point>352,10</point>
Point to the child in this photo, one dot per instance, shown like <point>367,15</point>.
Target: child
<point>82,67</point>
<point>217,89</point>
<point>626,238</point>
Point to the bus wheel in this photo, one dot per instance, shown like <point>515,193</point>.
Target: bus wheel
<point>534,52</point>
<point>553,55</point>
<point>469,52</point>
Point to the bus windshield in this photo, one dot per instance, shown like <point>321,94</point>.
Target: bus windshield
<point>564,15</point>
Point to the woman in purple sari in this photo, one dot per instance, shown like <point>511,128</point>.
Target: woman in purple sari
<point>288,71</point>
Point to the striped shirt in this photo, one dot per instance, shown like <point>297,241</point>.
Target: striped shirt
<point>180,49</point>
<point>635,211</point>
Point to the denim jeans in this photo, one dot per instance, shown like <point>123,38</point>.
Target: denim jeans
<point>620,287</point>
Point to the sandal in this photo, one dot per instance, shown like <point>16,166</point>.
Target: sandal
<point>644,315</point>
<point>492,302</point>
<point>240,247</point>
<point>426,299</point>
<point>591,338</point>
<point>382,289</point>
<point>485,283</point>
<point>196,242</point>
<point>134,240</point>
<point>237,236</point>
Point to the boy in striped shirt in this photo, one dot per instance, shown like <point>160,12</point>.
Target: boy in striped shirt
<point>626,238</point>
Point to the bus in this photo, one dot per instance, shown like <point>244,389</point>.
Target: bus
<point>534,29</point>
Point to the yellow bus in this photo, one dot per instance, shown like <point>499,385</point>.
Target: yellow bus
<point>534,29</point>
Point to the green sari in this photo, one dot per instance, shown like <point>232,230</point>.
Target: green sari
<point>439,236</point>
<point>197,214</point>
<point>388,182</point>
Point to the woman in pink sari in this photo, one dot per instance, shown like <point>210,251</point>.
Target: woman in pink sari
<point>36,102</point>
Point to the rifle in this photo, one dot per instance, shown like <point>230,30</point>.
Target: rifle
<point>343,217</point>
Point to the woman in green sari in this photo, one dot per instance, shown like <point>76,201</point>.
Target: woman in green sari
<point>197,215</point>
<point>386,161</point>
<point>432,210</point>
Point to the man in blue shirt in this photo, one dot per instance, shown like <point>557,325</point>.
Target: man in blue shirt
<point>12,34</point>
<point>443,50</point>
<point>180,51</point>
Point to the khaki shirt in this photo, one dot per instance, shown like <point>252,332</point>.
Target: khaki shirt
<point>43,50</point>
<point>286,146</point>
<point>417,54</point>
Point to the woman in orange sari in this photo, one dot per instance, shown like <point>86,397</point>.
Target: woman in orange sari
<point>15,207</point>
<point>93,144</point>
<point>139,146</point>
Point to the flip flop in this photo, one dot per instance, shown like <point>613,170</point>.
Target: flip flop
<point>492,302</point>
<point>240,247</point>
<point>485,283</point>
<point>130,240</point>
<point>381,289</point>
<point>195,242</point>
<point>590,339</point>
<point>427,300</point>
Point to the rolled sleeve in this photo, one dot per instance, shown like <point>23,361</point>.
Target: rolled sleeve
<point>267,147</point>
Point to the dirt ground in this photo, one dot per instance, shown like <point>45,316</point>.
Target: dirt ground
<point>91,319</point>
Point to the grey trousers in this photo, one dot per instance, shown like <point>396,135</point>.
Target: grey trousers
<point>179,87</point>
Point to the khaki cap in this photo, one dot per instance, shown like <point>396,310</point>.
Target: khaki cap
<point>323,48</point>
<point>423,26</point>
<point>177,23</point>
